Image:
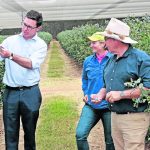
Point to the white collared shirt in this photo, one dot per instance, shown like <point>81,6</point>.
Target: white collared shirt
<point>35,49</point>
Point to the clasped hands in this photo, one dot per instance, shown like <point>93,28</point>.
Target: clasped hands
<point>111,97</point>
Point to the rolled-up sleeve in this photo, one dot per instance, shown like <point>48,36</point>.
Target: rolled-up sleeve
<point>84,80</point>
<point>1,58</point>
<point>145,70</point>
<point>38,56</point>
<point>4,44</point>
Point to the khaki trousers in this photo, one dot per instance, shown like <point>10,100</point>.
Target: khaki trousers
<point>129,130</point>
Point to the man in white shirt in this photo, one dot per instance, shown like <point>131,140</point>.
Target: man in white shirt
<point>23,55</point>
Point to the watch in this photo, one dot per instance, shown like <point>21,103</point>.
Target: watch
<point>122,94</point>
<point>11,56</point>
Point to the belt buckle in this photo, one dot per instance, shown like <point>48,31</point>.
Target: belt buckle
<point>21,88</point>
<point>122,113</point>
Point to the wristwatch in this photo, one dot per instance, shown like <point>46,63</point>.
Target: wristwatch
<point>122,94</point>
<point>11,56</point>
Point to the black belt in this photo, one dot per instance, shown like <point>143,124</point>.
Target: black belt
<point>20,87</point>
<point>123,113</point>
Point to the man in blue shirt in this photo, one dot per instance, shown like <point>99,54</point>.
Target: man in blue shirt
<point>129,124</point>
<point>92,82</point>
<point>23,55</point>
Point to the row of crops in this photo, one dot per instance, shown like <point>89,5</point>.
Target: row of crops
<point>76,44</point>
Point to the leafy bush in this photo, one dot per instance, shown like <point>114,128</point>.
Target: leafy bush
<point>140,31</point>
<point>1,84</point>
<point>1,74</point>
<point>2,38</point>
<point>47,37</point>
<point>75,41</point>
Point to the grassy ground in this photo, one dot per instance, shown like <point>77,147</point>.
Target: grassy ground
<point>57,124</point>
<point>59,112</point>
<point>56,63</point>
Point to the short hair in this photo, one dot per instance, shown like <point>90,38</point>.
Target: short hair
<point>34,15</point>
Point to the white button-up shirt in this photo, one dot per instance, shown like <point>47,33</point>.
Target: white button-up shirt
<point>35,49</point>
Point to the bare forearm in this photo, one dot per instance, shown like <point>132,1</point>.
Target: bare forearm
<point>102,93</point>
<point>22,61</point>
<point>130,94</point>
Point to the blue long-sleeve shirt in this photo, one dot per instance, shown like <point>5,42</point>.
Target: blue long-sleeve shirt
<point>92,78</point>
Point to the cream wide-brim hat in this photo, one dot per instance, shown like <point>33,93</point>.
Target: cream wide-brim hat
<point>118,30</point>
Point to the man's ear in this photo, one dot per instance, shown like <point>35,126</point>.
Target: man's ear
<point>105,47</point>
<point>39,28</point>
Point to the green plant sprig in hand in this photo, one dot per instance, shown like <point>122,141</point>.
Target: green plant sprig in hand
<point>145,94</point>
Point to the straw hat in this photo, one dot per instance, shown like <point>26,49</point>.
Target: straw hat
<point>118,30</point>
<point>96,37</point>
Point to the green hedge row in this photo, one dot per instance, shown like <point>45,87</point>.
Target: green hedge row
<point>2,38</point>
<point>140,31</point>
<point>47,37</point>
<point>1,73</point>
<point>75,41</point>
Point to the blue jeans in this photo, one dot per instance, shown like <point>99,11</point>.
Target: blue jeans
<point>88,119</point>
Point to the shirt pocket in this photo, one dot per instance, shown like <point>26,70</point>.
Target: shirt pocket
<point>92,72</point>
<point>133,69</point>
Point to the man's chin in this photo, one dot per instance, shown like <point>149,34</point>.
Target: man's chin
<point>26,36</point>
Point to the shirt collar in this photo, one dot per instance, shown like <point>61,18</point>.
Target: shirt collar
<point>107,55</point>
<point>128,52</point>
<point>34,38</point>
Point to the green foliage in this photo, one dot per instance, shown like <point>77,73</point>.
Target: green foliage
<point>56,62</point>
<point>57,124</point>
<point>1,74</point>
<point>76,44</point>
<point>140,31</point>
<point>75,41</point>
<point>2,38</point>
<point>145,94</point>
<point>148,136</point>
<point>47,37</point>
<point>1,84</point>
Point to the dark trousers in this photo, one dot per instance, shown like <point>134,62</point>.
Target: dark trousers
<point>22,104</point>
<point>88,119</point>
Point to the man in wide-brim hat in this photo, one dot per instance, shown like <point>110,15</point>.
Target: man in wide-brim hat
<point>129,124</point>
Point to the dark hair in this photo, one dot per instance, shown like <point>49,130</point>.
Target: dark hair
<point>34,15</point>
